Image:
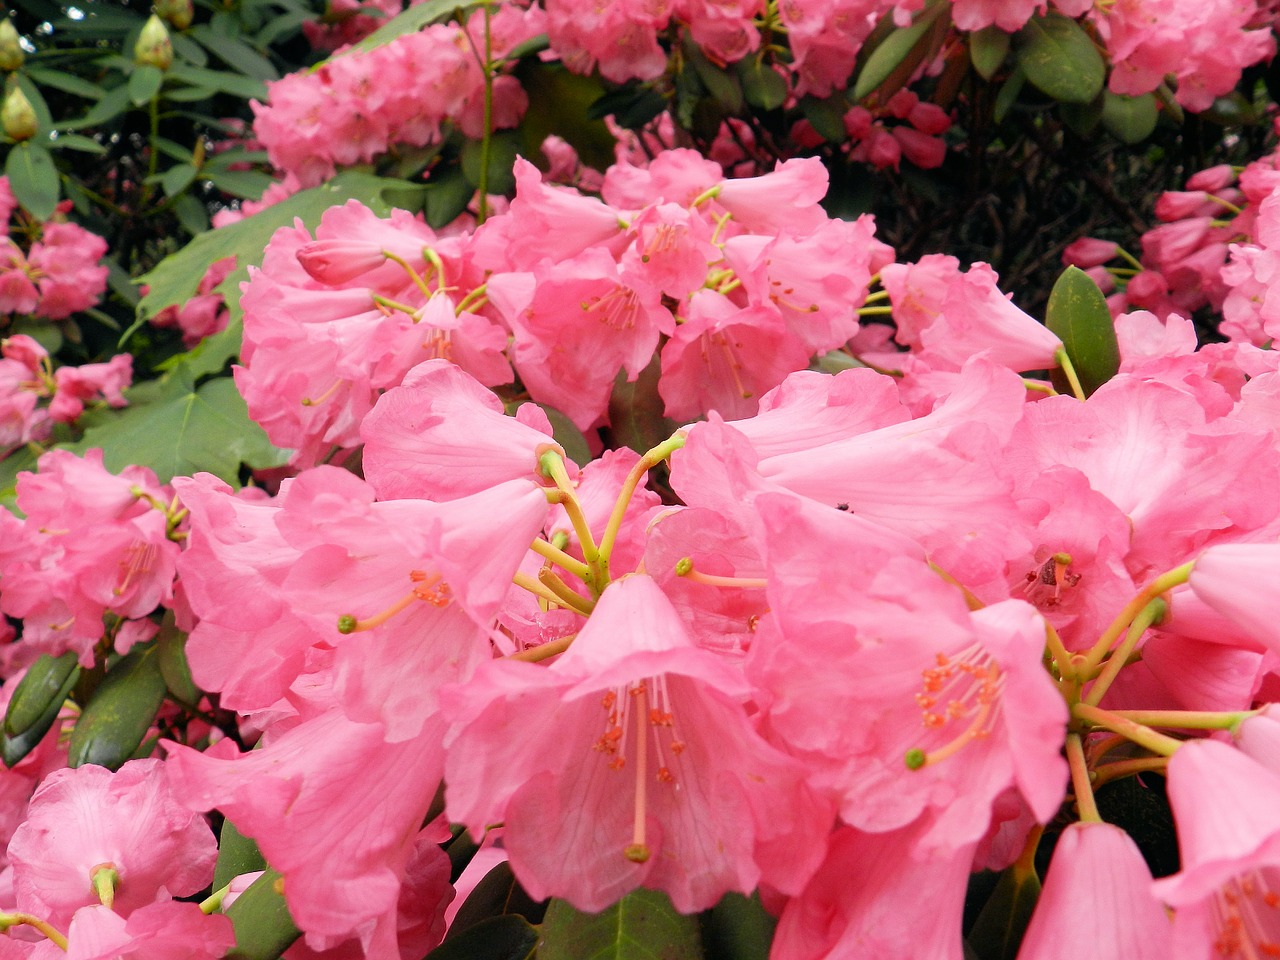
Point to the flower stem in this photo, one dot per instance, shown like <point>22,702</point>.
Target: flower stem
<point>1188,719</point>
<point>561,559</point>
<point>1080,784</point>
<point>544,651</point>
<point>8,920</point>
<point>1153,612</point>
<point>1139,734</point>
<point>1166,581</point>
<point>646,463</point>
<point>1069,370</point>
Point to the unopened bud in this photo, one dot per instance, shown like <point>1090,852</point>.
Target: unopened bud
<point>153,46</point>
<point>177,12</point>
<point>11,53</point>
<point>18,117</point>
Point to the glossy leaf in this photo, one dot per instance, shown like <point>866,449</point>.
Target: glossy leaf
<point>66,82</point>
<point>115,721</point>
<point>235,84</point>
<point>235,53</point>
<point>113,103</point>
<point>498,894</point>
<point>1077,312</point>
<point>237,854</point>
<point>1008,94</point>
<point>178,429</point>
<point>890,54</point>
<point>988,48</point>
<point>171,653</point>
<point>1129,119</point>
<point>998,931</point>
<point>738,928</point>
<point>508,937</point>
<point>558,103</point>
<point>762,86</point>
<point>503,148</point>
<point>73,141</point>
<point>33,179</point>
<point>44,680</point>
<point>177,178</point>
<point>261,920</point>
<point>1060,60</point>
<point>643,925</point>
<point>636,410</point>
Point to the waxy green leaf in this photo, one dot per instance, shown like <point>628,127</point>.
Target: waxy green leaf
<point>1078,314</point>
<point>1059,59</point>
<point>988,48</point>
<point>115,721</point>
<point>237,854</point>
<point>36,704</point>
<point>1129,119</point>
<point>261,920</point>
<point>997,932</point>
<point>643,925</point>
<point>507,937</point>
<point>33,179</point>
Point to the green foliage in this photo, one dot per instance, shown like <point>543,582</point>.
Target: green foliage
<point>261,920</point>
<point>1078,314</point>
<point>115,720</point>
<point>36,703</point>
<point>643,925</point>
<point>998,931</point>
<point>1059,59</point>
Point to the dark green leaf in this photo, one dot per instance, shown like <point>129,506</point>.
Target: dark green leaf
<point>738,928</point>
<point>171,652</point>
<point>177,178</point>
<point>247,184</point>
<point>497,894</point>
<point>283,25</point>
<point>568,436</point>
<point>503,149</point>
<point>411,21</point>
<point>73,141</point>
<point>997,932</point>
<point>721,84</point>
<point>1129,119</point>
<point>636,411</point>
<point>43,117</point>
<point>33,179</point>
<point>762,86</point>
<point>175,151</point>
<point>987,49</point>
<point>45,684</point>
<point>144,83</point>
<point>235,53</point>
<point>66,82</point>
<point>193,216</point>
<point>826,116</point>
<point>1077,312</point>
<point>643,925</point>
<point>261,920</point>
<point>188,50</point>
<point>235,84</point>
<point>1232,110</point>
<point>559,102</point>
<point>447,196</point>
<point>498,938</point>
<point>116,719</point>
<point>630,107</point>
<point>113,103</point>
<point>1082,118</point>
<point>177,429</point>
<point>1060,60</point>
<point>1008,94</point>
<point>237,854</point>
<point>890,54</point>
<point>189,94</point>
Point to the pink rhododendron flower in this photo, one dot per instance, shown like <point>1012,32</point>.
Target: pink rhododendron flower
<point>157,931</point>
<point>1097,871</point>
<point>644,769</point>
<point>1237,580</point>
<point>88,819</point>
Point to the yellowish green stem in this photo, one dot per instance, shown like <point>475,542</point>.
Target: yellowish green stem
<point>1139,734</point>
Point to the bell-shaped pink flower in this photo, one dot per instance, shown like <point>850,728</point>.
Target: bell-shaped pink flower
<point>636,766</point>
<point>1238,580</point>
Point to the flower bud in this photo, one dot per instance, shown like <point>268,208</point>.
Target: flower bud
<point>153,46</point>
<point>11,54</point>
<point>17,116</point>
<point>177,12</point>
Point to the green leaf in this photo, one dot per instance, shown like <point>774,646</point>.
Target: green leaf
<point>636,411</point>
<point>73,141</point>
<point>113,103</point>
<point>1060,60</point>
<point>45,684</point>
<point>43,117</point>
<point>738,928</point>
<point>66,82</point>
<point>890,54</point>
<point>116,719</point>
<point>1082,118</point>
<point>762,85</point>
<point>558,103</point>
<point>987,49</point>
<point>447,196</point>
<point>193,216</point>
<point>1008,94</point>
<point>1077,312</point>
<point>144,83</point>
<point>503,149</point>
<point>498,894</point>
<point>411,21</point>
<point>826,116</point>
<point>237,85</point>
<point>171,652</point>
<point>235,53</point>
<point>643,925</point>
<point>508,937</point>
<point>188,50</point>
<point>177,429</point>
<point>176,279</point>
<point>15,746</point>
<point>997,932</point>
<point>177,178</point>
<point>33,179</point>
<point>247,184</point>
<point>237,854</point>
<point>1129,119</point>
<point>720,83</point>
<point>261,920</point>
<point>568,436</point>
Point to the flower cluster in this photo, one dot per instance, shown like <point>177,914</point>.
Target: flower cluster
<point>52,269</point>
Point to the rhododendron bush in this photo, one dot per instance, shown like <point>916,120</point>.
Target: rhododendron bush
<point>726,481</point>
